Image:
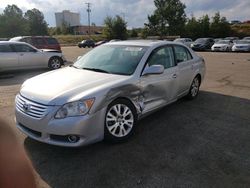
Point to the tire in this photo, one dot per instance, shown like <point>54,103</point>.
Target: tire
<point>194,88</point>
<point>55,63</point>
<point>120,121</point>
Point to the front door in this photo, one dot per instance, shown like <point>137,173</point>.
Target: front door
<point>160,89</point>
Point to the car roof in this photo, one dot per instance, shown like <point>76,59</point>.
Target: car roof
<point>12,42</point>
<point>140,42</point>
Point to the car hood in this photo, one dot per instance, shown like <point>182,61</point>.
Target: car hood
<point>67,84</point>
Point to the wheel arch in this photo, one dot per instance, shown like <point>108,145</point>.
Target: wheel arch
<point>129,101</point>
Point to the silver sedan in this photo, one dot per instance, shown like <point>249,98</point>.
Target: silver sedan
<point>106,91</point>
<point>20,55</point>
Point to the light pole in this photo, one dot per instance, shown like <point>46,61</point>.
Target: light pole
<point>88,10</point>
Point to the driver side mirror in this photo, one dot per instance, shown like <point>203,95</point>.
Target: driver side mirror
<point>153,69</point>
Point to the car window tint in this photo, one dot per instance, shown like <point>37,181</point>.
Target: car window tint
<point>39,41</point>
<point>5,48</point>
<point>52,41</point>
<point>28,40</point>
<point>163,56</point>
<point>181,54</point>
<point>23,48</point>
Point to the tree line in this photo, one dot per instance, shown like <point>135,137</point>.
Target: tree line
<point>168,19</point>
<point>13,22</point>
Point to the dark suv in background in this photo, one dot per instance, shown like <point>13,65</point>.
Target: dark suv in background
<point>40,42</point>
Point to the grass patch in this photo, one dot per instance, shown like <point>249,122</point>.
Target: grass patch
<point>66,40</point>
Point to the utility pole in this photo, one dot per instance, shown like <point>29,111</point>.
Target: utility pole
<point>88,10</point>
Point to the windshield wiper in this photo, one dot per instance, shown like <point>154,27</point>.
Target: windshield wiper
<point>96,70</point>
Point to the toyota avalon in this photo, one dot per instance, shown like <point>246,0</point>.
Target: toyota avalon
<point>106,91</point>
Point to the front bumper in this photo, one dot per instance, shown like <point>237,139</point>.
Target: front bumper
<point>89,128</point>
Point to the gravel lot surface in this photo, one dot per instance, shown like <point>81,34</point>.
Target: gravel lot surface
<point>200,143</point>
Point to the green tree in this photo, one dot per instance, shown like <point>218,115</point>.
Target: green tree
<point>204,26</point>
<point>115,28</point>
<point>192,28</point>
<point>36,23</point>
<point>169,17</point>
<point>219,26</point>
<point>12,22</point>
<point>133,33</point>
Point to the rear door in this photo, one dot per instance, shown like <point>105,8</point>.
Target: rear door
<point>8,57</point>
<point>185,66</point>
<point>160,89</point>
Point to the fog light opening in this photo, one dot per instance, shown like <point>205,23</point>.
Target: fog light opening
<point>73,138</point>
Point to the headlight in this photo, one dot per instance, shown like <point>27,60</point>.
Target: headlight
<point>77,108</point>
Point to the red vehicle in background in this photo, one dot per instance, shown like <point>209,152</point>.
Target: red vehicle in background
<point>40,42</point>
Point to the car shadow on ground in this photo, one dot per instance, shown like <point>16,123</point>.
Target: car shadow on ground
<point>199,143</point>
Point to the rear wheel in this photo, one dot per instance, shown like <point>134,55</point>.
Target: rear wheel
<point>55,63</point>
<point>120,120</point>
<point>194,88</point>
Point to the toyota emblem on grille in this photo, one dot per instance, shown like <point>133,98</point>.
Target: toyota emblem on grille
<point>26,107</point>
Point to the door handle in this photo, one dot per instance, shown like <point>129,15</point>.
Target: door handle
<point>21,54</point>
<point>174,75</point>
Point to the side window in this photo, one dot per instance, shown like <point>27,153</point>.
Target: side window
<point>5,48</point>
<point>182,54</point>
<point>52,41</point>
<point>162,56</point>
<point>39,41</point>
<point>28,40</point>
<point>23,48</point>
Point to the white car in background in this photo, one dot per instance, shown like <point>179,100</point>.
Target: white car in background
<point>186,41</point>
<point>241,46</point>
<point>20,55</point>
<point>246,38</point>
<point>222,45</point>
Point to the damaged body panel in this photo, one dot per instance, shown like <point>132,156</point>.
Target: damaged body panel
<point>106,91</point>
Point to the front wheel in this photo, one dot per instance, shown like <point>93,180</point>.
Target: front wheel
<point>194,88</point>
<point>55,63</point>
<point>120,121</point>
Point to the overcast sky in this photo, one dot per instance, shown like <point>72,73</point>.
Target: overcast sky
<point>135,11</point>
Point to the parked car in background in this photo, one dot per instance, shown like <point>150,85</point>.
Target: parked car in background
<point>202,44</point>
<point>222,45</point>
<point>40,42</point>
<point>20,55</point>
<point>241,46</point>
<point>104,93</point>
<point>217,39</point>
<point>186,41</point>
<point>100,42</point>
<point>246,38</point>
<point>231,38</point>
<point>86,43</point>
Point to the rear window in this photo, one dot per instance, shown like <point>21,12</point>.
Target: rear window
<point>52,41</point>
<point>5,48</point>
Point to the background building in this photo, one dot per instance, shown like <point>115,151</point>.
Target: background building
<point>67,17</point>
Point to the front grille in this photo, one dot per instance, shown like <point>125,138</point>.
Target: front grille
<point>31,108</point>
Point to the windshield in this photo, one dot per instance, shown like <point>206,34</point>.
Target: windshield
<point>114,59</point>
<point>223,42</point>
<point>201,40</point>
<point>242,42</point>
